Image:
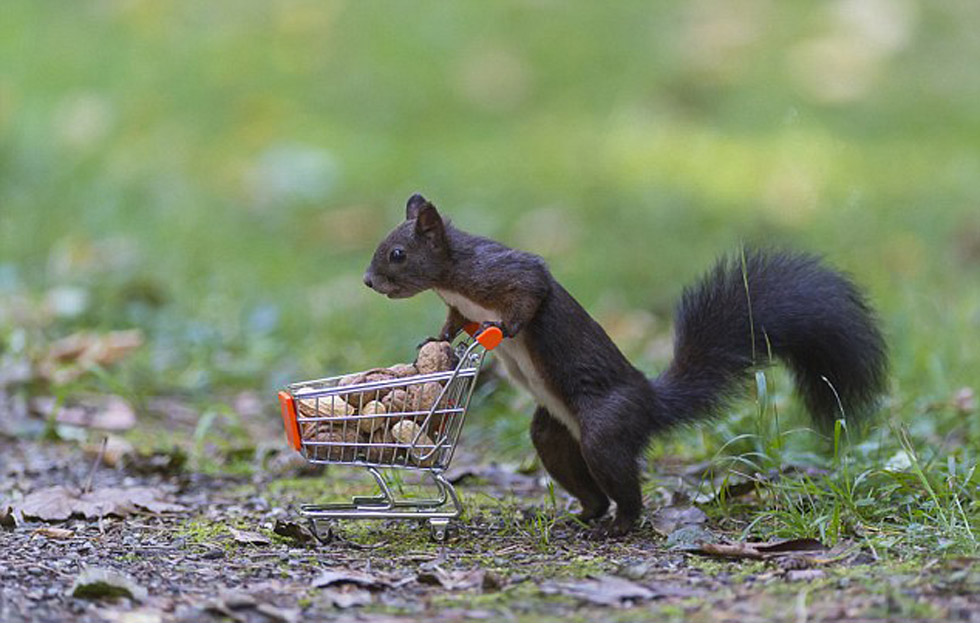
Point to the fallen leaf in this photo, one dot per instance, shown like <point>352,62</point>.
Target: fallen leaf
<point>688,537</point>
<point>298,533</point>
<point>59,503</point>
<point>100,583</point>
<point>452,580</point>
<point>274,613</point>
<point>805,575</point>
<point>759,551</point>
<point>108,413</point>
<point>54,533</point>
<point>71,357</point>
<point>7,519</point>
<point>233,600</point>
<point>668,519</point>
<point>605,590</point>
<point>965,400</point>
<point>899,462</point>
<point>132,616</point>
<point>332,577</point>
<point>249,538</point>
<point>164,462</point>
<point>492,582</point>
<point>105,349</point>
<point>116,450</point>
<point>347,596</point>
<point>791,546</point>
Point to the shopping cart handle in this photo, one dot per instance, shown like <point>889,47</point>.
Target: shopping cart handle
<point>489,338</point>
<point>288,406</point>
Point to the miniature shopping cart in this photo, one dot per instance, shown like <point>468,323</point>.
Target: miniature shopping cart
<point>404,423</point>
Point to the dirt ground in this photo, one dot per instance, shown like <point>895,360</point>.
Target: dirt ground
<point>217,557</point>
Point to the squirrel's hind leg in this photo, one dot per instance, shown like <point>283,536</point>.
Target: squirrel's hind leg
<point>562,457</point>
<point>614,435</point>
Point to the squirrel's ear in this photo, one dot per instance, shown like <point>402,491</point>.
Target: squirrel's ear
<point>415,203</point>
<point>428,223</point>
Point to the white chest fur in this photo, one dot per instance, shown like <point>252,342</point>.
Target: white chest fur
<point>517,360</point>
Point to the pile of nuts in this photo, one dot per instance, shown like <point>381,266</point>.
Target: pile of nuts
<point>390,415</point>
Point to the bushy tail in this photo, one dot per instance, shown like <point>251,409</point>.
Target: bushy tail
<point>789,306</point>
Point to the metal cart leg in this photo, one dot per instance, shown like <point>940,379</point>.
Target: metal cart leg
<point>437,510</point>
<point>439,529</point>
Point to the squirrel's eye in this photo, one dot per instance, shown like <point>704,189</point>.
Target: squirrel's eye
<point>397,256</point>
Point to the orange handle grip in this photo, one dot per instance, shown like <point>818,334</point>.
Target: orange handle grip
<point>489,338</point>
<point>288,406</point>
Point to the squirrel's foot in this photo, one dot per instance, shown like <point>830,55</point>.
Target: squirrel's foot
<point>616,528</point>
<point>592,513</point>
<point>621,526</point>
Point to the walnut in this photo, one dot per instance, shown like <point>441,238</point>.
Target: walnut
<point>357,398</point>
<point>435,357</point>
<point>401,370</point>
<point>423,398</point>
<point>397,401</point>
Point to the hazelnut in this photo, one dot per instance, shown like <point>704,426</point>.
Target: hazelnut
<point>369,425</point>
<point>324,406</point>
<point>405,432</point>
<point>329,432</point>
<point>377,453</point>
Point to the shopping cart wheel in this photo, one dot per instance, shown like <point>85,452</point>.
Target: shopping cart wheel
<point>322,529</point>
<point>439,529</point>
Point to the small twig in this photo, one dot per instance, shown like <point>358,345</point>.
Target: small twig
<point>148,549</point>
<point>51,569</point>
<point>98,460</point>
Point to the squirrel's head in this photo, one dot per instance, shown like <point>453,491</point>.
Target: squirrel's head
<point>414,256</point>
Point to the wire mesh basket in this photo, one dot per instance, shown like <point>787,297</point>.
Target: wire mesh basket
<point>381,420</point>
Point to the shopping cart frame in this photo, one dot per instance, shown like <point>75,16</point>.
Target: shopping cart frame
<point>432,458</point>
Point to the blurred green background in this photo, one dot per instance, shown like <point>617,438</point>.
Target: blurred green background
<point>218,173</point>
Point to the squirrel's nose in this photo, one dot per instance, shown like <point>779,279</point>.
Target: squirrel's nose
<point>367,280</point>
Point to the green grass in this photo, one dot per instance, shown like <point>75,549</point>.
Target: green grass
<point>217,175</point>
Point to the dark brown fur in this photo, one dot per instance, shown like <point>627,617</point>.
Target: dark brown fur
<point>808,315</point>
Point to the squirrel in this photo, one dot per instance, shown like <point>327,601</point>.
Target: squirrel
<point>595,410</point>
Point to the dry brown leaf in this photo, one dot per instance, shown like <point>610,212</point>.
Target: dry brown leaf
<point>965,400</point>
<point>7,519</point>
<point>345,596</point>
<point>74,355</point>
<point>604,591</point>
<point>669,518</point>
<point>249,538</point>
<point>54,533</point>
<point>292,530</point>
<point>116,450</point>
<point>59,503</point>
<point>333,577</point>
<point>452,580</point>
<point>759,551</point>
<point>102,412</point>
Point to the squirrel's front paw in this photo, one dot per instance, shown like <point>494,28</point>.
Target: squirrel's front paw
<point>429,339</point>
